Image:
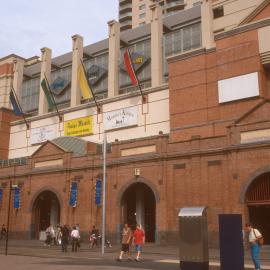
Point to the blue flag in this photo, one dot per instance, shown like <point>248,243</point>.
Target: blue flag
<point>17,198</point>
<point>73,194</point>
<point>1,196</point>
<point>16,107</point>
<point>98,192</point>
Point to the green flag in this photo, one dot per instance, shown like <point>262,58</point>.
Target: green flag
<point>47,93</point>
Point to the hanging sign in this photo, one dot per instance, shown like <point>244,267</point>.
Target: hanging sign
<point>73,194</point>
<point>98,192</point>
<point>1,196</point>
<point>16,198</point>
<point>79,127</point>
<point>121,118</point>
<point>42,134</point>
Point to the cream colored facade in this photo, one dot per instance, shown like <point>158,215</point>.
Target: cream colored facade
<point>234,11</point>
<point>149,122</point>
<point>135,13</point>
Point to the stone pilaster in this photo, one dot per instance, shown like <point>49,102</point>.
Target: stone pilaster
<point>46,61</point>
<point>77,57</point>
<point>18,77</point>
<point>208,41</point>
<point>156,45</point>
<point>114,51</point>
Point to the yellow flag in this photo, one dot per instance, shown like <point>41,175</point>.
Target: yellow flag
<point>85,89</point>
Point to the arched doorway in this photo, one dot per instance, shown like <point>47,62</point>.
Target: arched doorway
<point>138,206</point>
<point>46,211</point>
<point>258,202</point>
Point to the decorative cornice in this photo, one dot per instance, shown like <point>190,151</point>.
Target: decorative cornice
<point>146,158</point>
<point>189,54</point>
<point>243,29</point>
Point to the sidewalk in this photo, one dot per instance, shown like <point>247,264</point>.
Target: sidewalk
<point>165,254</point>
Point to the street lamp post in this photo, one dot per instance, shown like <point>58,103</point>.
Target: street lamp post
<point>104,195</point>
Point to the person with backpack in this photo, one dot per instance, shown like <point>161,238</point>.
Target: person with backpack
<point>255,240</point>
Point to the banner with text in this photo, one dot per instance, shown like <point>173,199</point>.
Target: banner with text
<point>79,127</point>
<point>121,118</point>
<point>42,134</point>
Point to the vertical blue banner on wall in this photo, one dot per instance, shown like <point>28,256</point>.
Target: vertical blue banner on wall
<point>16,198</point>
<point>73,194</point>
<point>98,192</point>
<point>1,196</point>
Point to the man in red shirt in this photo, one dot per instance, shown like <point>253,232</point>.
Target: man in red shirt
<point>139,239</point>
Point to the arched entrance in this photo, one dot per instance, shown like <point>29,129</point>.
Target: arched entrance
<point>138,206</point>
<point>258,202</point>
<point>46,211</point>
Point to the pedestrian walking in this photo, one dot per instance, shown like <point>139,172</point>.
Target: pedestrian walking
<point>64,239</point>
<point>48,236</point>
<point>94,236</point>
<point>58,235</point>
<point>53,235</point>
<point>255,240</point>
<point>75,237</point>
<point>126,239</point>
<point>3,232</point>
<point>139,239</point>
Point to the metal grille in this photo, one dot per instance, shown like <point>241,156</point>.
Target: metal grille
<point>259,191</point>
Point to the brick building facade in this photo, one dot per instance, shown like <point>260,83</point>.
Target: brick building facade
<point>211,152</point>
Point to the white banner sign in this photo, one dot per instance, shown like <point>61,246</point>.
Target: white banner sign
<point>244,86</point>
<point>42,134</point>
<point>121,118</point>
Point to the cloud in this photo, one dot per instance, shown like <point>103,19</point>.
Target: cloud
<point>28,25</point>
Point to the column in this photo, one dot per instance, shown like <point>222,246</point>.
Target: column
<point>18,77</point>
<point>140,212</point>
<point>46,60</point>
<point>156,45</point>
<point>77,57</point>
<point>114,52</point>
<point>208,41</point>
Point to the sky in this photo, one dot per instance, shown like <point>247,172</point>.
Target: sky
<point>29,25</point>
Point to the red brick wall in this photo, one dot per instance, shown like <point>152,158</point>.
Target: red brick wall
<point>194,107</point>
<point>6,116</point>
<point>6,69</point>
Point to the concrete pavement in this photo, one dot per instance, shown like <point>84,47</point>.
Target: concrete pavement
<point>154,256</point>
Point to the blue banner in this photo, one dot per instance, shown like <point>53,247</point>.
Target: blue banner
<point>73,194</point>
<point>98,192</point>
<point>1,196</point>
<point>16,198</point>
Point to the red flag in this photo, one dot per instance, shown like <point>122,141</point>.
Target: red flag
<point>130,69</point>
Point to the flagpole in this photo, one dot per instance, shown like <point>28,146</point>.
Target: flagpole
<point>104,194</point>
<point>60,118</point>
<point>89,85</point>
<point>140,88</point>
<point>15,95</point>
